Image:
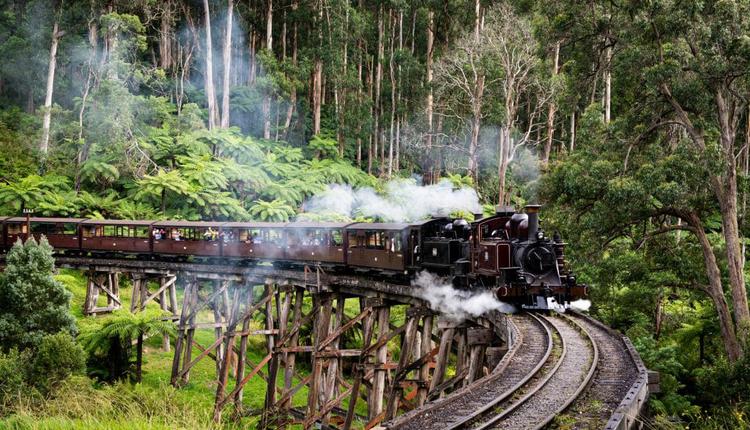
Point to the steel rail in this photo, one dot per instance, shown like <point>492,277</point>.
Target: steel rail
<point>515,405</point>
<point>586,381</point>
<point>467,420</point>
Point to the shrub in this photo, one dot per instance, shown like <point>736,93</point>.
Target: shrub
<point>57,357</point>
<point>12,379</point>
<point>33,304</point>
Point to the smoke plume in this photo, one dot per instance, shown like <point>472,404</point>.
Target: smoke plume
<point>402,201</point>
<point>581,305</point>
<point>457,305</point>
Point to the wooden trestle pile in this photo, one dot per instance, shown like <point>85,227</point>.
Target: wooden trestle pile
<point>435,355</point>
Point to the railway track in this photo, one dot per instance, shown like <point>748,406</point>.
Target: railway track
<point>611,383</point>
<point>532,350</point>
<point>554,363</point>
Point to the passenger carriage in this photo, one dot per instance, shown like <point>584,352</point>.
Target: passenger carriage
<point>379,246</point>
<point>61,233</point>
<point>321,241</point>
<point>261,240</point>
<point>198,238</point>
<point>116,236</point>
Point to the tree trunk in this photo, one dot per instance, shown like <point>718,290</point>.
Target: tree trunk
<point>503,160</point>
<point>293,95</point>
<point>317,84</point>
<point>728,205</point>
<point>267,96</point>
<point>392,75</point>
<point>429,176</point>
<point>378,78</point>
<point>370,90</point>
<point>341,95</point>
<point>714,288</point>
<point>552,109</point>
<point>166,36</point>
<point>359,102</point>
<point>572,131</point>
<point>253,59</point>
<point>227,60</point>
<point>209,79</point>
<point>317,77</point>
<point>608,85</point>
<point>56,34</point>
<point>83,152</point>
<point>139,359</point>
<point>725,189</point>
<point>397,164</point>
<point>476,124</point>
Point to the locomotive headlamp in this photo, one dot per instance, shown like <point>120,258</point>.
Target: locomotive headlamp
<point>540,235</point>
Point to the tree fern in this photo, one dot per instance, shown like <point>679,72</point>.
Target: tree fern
<point>276,210</point>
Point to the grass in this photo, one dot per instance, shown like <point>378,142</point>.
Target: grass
<point>154,404</point>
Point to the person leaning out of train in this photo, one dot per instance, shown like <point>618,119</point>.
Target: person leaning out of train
<point>157,234</point>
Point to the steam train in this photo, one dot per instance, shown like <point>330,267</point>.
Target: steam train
<point>507,253</point>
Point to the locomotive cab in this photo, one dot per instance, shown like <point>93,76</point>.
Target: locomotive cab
<point>445,244</point>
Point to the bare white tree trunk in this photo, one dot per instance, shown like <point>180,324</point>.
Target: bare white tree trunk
<point>378,78</point>
<point>429,175</point>
<point>166,36</point>
<point>227,66</point>
<point>608,86</point>
<point>56,34</point>
<point>267,96</point>
<point>572,131</point>
<point>209,80</point>
<point>392,75</point>
<point>552,109</point>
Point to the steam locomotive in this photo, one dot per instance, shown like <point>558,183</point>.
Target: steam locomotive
<point>507,253</point>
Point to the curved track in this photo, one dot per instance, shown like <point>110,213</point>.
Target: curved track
<point>566,370</point>
<point>537,402</point>
<point>610,383</point>
<point>532,350</point>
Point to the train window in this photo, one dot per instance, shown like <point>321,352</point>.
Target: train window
<point>337,238</point>
<point>42,228</point>
<point>16,228</point>
<point>397,243</point>
<point>242,235</point>
<point>186,233</point>
<point>375,240</point>
<point>262,235</point>
<point>70,228</point>
<point>273,236</point>
<point>353,242</point>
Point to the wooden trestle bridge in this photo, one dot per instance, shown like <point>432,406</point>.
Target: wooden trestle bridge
<point>403,393</point>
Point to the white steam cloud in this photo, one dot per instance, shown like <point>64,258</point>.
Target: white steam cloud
<point>582,305</point>
<point>457,305</point>
<point>402,201</point>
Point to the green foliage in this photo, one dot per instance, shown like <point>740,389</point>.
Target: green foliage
<point>33,303</point>
<point>273,211</point>
<point>459,181</point>
<point>110,337</point>
<point>56,358</point>
<point>13,366</point>
<point>81,404</point>
<point>323,146</point>
<point>30,191</point>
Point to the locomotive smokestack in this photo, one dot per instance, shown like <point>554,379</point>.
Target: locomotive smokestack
<point>533,212</point>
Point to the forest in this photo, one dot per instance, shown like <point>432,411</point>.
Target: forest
<point>628,120</point>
